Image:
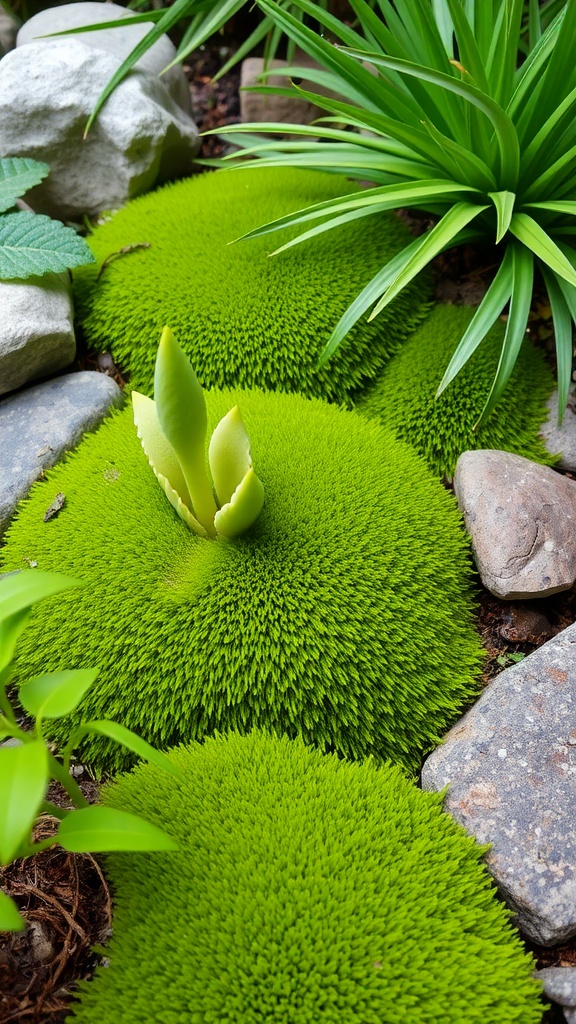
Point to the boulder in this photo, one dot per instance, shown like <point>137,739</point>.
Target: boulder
<point>510,765</point>
<point>39,425</point>
<point>561,440</point>
<point>141,137</point>
<point>521,517</point>
<point>559,984</point>
<point>117,41</point>
<point>36,329</point>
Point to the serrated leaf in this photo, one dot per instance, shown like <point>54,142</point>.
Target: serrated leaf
<point>229,455</point>
<point>24,775</point>
<point>33,244</point>
<point>10,920</point>
<point>243,509</point>
<point>17,176</point>
<point>97,829</point>
<point>56,693</point>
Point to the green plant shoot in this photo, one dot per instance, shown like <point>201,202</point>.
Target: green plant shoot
<point>172,428</point>
<point>29,764</point>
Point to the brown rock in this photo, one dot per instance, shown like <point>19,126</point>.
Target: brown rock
<point>522,520</point>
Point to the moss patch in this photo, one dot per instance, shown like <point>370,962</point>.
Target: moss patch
<point>306,890</point>
<point>343,615</point>
<point>441,429</point>
<point>243,318</point>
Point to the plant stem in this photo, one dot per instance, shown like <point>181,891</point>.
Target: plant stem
<point>59,773</point>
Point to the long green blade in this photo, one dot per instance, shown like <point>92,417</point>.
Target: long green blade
<point>563,336</point>
<point>504,203</point>
<point>529,232</point>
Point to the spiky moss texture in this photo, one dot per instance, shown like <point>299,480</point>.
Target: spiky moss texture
<point>343,615</point>
<point>442,428</point>
<point>244,319</point>
<point>306,890</point>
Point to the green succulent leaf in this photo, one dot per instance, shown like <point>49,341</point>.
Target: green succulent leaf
<point>17,176</point>
<point>243,508</point>
<point>10,920</point>
<point>157,448</point>
<point>181,412</point>
<point>229,455</point>
<point>98,829</point>
<point>57,693</point>
<point>24,775</point>
<point>33,244</point>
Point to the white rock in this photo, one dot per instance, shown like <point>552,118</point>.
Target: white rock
<point>9,24</point>
<point>36,329</point>
<point>117,41</point>
<point>142,137</point>
<point>522,520</point>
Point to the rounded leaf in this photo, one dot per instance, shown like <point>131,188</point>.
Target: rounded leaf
<point>243,508</point>
<point>56,693</point>
<point>98,829</point>
<point>229,455</point>
<point>24,781</point>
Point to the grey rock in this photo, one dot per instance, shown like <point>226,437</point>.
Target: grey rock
<point>521,517</point>
<point>559,984</point>
<point>36,329</point>
<point>141,137</point>
<point>39,425</point>
<point>569,1015</point>
<point>510,764</point>
<point>9,25</point>
<point>257,107</point>
<point>117,41</point>
<point>561,440</point>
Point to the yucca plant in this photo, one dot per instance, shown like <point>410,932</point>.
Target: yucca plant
<point>460,108</point>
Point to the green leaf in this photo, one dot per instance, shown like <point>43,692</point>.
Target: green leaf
<point>243,508</point>
<point>520,301</point>
<point>17,176</point>
<point>445,231</point>
<point>529,232</point>
<point>229,455</point>
<point>56,693</point>
<point>33,244</point>
<point>563,337</point>
<point>158,450</point>
<point>24,775</point>
<point>98,829</point>
<point>129,739</point>
<point>10,920</point>
<point>181,412</point>
<point>22,589</point>
<point>504,203</point>
<point>10,629</point>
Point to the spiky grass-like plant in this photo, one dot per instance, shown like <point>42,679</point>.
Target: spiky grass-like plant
<point>243,319</point>
<point>343,614</point>
<point>305,890</point>
<point>440,429</point>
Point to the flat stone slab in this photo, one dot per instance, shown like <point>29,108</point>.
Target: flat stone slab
<point>39,425</point>
<point>559,984</point>
<point>510,764</point>
<point>521,517</point>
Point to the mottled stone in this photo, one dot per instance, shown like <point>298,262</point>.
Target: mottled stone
<point>140,138</point>
<point>118,41</point>
<point>522,520</point>
<point>561,440</point>
<point>36,329</point>
<point>559,984</point>
<point>39,425</point>
<point>569,1015</point>
<point>510,764</point>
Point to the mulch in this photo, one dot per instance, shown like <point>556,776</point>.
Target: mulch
<point>64,897</point>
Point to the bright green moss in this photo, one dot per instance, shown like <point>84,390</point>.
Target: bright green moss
<point>243,318</point>
<point>306,890</point>
<point>441,429</point>
<point>344,614</point>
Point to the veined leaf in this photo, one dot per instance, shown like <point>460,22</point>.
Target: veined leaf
<point>520,300</point>
<point>98,829</point>
<point>529,232</point>
<point>504,203</point>
<point>24,775</point>
<point>56,693</point>
<point>10,920</point>
<point>33,244</point>
<point>447,229</point>
<point>17,176</point>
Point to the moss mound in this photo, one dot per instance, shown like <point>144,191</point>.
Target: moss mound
<point>344,614</point>
<point>441,429</point>
<point>306,890</point>
<point>244,319</point>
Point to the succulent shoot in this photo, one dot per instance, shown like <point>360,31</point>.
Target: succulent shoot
<point>172,428</point>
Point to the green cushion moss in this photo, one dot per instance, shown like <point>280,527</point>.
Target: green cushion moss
<point>243,318</point>
<point>306,890</point>
<point>344,614</point>
<point>441,429</point>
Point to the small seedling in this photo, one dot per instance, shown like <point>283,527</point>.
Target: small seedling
<point>28,766</point>
<point>172,429</point>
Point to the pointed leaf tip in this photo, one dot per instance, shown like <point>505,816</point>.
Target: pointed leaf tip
<point>229,455</point>
<point>243,508</point>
